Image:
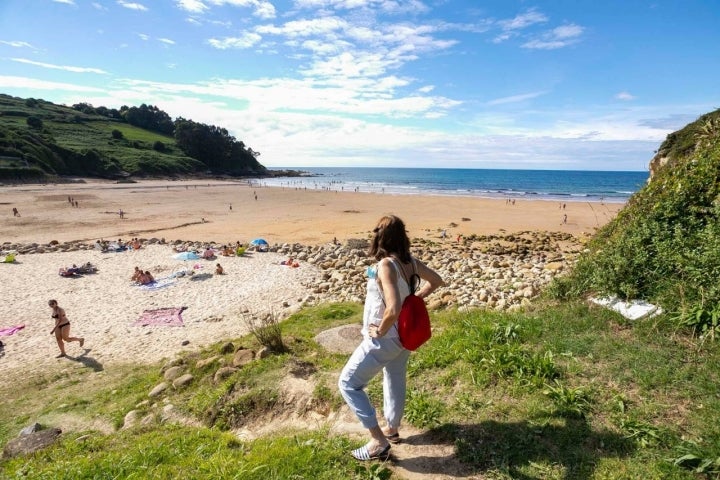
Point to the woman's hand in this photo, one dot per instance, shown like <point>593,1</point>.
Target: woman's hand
<point>374,331</point>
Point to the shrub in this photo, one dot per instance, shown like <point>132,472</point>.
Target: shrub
<point>664,246</point>
<point>159,146</point>
<point>34,122</point>
<point>266,330</point>
<point>117,134</point>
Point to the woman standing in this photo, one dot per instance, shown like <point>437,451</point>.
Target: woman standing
<point>380,348</point>
<point>62,328</point>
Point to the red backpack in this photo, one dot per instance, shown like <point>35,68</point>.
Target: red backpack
<point>413,323</point>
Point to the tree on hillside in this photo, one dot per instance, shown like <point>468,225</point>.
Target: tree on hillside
<point>149,117</point>
<point>84,108</point>
<point>215,147</point>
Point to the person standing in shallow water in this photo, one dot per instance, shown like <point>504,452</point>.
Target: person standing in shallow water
<point>62,328</point>
<point>380,348</point>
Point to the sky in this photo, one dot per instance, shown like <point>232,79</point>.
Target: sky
<point>549,84</point>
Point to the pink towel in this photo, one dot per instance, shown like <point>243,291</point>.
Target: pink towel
<point>6,332</point>
<point>169,317</point>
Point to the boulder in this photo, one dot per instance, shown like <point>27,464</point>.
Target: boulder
<point>32,442</point>
<point>160,388</point>
<point>243,357</point>
<point>172,373</point>
<point>183,381</point>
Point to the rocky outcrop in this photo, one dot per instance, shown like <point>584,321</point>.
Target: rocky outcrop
<point>491,271</point>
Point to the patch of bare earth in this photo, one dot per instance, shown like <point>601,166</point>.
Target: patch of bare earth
<point>417,457</point>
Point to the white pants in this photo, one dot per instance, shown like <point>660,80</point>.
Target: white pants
<point>371,356</point>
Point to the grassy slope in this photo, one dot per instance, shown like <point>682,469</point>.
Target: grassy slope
<point>664,246</point>
<point>563,391</point>
<point>75,133</point>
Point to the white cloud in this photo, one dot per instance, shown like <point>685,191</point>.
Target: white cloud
<point>143,36</point>
<point>523,20</point>
<point>66,2</point>
<point>305,28</point>
<point>192,6</point>
<point>624,96</point>
<point>558,37</point>
<point>132,5</point>
<point>385,6</point>
<point>166,41</point>
<point>511,27</point>
<point>17,44</point>
<point>261,8</point>
<point>516,98</point>
<point>98,6</point>
<point>567,31</point>
<point>60,67</point>
<point>35,84</point>
<point>247,40</point>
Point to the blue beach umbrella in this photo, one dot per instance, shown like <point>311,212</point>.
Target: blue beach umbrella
<point>186,256</point>
<point>260,244</point>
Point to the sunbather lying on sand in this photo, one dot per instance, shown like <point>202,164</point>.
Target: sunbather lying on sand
<point>146,278</point>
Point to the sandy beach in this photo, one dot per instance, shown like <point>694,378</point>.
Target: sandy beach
<point>175,209</point>
<point>103,307</point>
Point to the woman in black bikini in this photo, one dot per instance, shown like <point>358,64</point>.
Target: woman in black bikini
<point>62,328</point>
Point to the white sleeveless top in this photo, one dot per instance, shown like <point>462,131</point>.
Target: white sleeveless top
<point>374,304</point>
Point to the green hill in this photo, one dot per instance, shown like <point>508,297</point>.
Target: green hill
<point>39,139</point>
<point>664,246</point>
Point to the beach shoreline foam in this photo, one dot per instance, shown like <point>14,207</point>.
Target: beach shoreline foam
<point>226,212</point>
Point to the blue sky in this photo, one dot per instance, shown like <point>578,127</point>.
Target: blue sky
<point>562,84</point>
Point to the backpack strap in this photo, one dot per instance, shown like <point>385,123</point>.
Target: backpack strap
<point>414,281</point>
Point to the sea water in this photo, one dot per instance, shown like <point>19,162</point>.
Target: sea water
<point>556,185</point>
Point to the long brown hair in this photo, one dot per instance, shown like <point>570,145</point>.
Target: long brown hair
<point>390,239</point>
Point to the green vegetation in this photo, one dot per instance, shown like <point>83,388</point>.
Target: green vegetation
<point>664,246</point>
<point>40,139</point>
<point>563,391</point>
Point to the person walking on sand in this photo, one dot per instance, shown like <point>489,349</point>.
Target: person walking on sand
<point>380,348</point>
<point>62,328</point>
<point>15,212</point>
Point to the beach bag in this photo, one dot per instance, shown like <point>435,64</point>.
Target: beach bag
<point>413,323</point>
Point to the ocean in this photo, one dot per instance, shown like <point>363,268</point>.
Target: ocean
<point>551,185</point>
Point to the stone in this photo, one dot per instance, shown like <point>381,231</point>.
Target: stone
<point>32,442</point>
<point>172,373</point>
<point>243,357</point>
<point>207,361</point>
<point>343,339</point>
<point>183,381</point>
<point>131,419</point>
<point>160,388</point>
<point>223,373</point>
<point>35,427</point>
<point>227,348</point>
